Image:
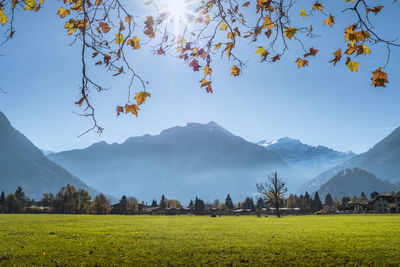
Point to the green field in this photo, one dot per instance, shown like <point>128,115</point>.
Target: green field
<point>89,240</point>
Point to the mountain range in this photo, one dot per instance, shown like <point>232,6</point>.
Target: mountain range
<point>308,160</point>
<point>23,164</point>
<point>198,159</point>
<point>383,160</point>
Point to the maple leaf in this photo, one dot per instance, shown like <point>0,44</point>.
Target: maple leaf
<point>3,17</point>
<point>160,51</point>
<point>235,71</point>
<point>149,27</point>
<point>363,49</point>
<point>134,42</point>
<point>268,23</point>
<point>312,52</point>
<point>119,38</point>
<point>104,27</point>
<point>330,20</point>
<point>141,97</point>
<point>223,26</point>
<point>195,65</point>
<point>263,53</point>
<point>338,56</point>
<point>207,70</point>
<point>290,32</point>
<point>303,13</point>
<point>275,58</point>
<point>128,19</point>
<point>63,12</point>
<point>317,6</point>
<point>352,65</point>
<point>80,101</point>
<point>119,110</point>
<point>30,5</point>
<point>217,46</point>
<point>301,62</point>
<point>351,49</point>
<point>379,78</point>
<point>205,83</point>
<point>375,9</point>
<point>131,108</point>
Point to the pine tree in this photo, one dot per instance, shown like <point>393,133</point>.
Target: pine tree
<point>229,202</point>
<point>2,202</point>
<point>374,194</point>
<point>329,200</point>
<point>291,202</point>
<point>191,205</point>
<point>317,205</point>
<point>154,203</point>
<point>307,201</point>
<point>260,203</point>
<point>163,203</point>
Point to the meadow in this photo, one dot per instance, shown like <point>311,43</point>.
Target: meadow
<point>89,240</point>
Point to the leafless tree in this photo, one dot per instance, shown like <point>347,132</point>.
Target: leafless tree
<point>274,190</point>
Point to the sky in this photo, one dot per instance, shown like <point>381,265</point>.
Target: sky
<point>320,105</point>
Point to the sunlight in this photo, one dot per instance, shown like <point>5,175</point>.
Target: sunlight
<point>178,11</point>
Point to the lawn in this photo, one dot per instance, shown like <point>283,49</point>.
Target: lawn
<point>89,240</point>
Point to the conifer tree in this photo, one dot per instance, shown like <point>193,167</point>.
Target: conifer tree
<point>329,200</point>
<point>229,202</point>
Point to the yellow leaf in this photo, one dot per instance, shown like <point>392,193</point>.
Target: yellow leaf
<point>301,62</point>
<point>207,19</point>
<point>290,32</point>
<point>352,65</point>
<point>30,5</point>
<point>363,49</point>
<point>207,70</point>
<point>63,12</point>
<point>119,38</point>
<point>205,83</point>
<point>268,23</point>
<point>223,26</point>
<point>317,6</point>
<point>303,13</point>
<point>141,97</point>
<point>3,17</point>
<point>329,21</point>
<point>134,42</point>
<point>235,71</point>
<point>217,46</point>
<point>231,36</point>
<point>131,108</point>
<point>379,78</point>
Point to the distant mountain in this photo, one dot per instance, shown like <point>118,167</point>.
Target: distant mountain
<point>308,160</point>
<point>23,164</point>
<point>383,160</point>
<point>198,159</point>
<point>46,152</point>
<point>352,182</point>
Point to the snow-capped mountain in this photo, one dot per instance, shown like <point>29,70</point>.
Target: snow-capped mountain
<point>308,160</point>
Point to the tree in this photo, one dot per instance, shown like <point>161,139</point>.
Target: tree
<point>106,30</point>
<point>48,200</point>
<point>83,201</point>
<point>191,205</point>
<point>248,203</point>
<point>122,206</point>
<point>274,190</point>
<point>229,202</point>
<point>260,203</point>
<point>154,203</point>
<point>163,203</point>
<point>216,203</point>
<point>12,204</point>
<point>291,202</point>
<point>101,204</point>
<point>21,198</point>
<point>66,200</point>
<point>329,201</point>
<point>199,206</point>
<point>3,207</point>
<point>345,200</point>
<point>317,205</point>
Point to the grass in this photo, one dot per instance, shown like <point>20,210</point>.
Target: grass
<point>70,240</point>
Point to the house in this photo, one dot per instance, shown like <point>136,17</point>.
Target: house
<point>354,207</point>
<point>386,203</point>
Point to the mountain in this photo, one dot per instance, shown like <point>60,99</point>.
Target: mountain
<point>308,160</point>
<point>46,152</point>
<point>198,159</point>
<point>23,164</point>
<point>352,182</point>
<point>383,160</point>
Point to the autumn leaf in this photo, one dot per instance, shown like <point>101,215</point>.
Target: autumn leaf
<point>217,46</point>
<point>338,56</point>
<point>303,13</point>
<point>141,97</point>
<point>63,12</point>
<point>223,26</point>
<point>352,65</point>
<point>329,21</point>
<point>3,17</point>
<point>276,58</point>
<point>134,42</point>
<point>128,19</point>
<point>317,6</point>
<point>195,65</point>
<point>290,32</point>
<point>119,110</point>
<point>351,49</point>
<point>119,38</point>
<point>246,4</point>
<point>149,27</point>
<point>104,27</point>
<point>235,71</point>
<point>312,52</point>
<point>207,84</point>
<point>363,50</point>
<point>263,53</point>
<point>132,109</point>
<point>30,5</point>
<point>379,78</point>
<point>301,62</point>
<point>207,70</point>
<point>268,23</point>
<point>80,101</point>
<point>375,9</point>
<point>120,70</point>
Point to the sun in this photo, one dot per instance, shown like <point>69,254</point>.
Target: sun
<point>178,11</point>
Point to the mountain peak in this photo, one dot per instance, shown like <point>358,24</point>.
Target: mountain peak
<point>196,127</point>
<point>4,122</point>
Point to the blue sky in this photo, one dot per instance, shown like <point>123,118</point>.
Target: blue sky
<point>321,104</point>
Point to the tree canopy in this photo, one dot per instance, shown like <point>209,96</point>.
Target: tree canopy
<point>107,30</point>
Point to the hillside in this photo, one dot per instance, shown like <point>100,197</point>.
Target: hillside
<point>23,164</point>
<point>352,182</point>
<point>181,162</point>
